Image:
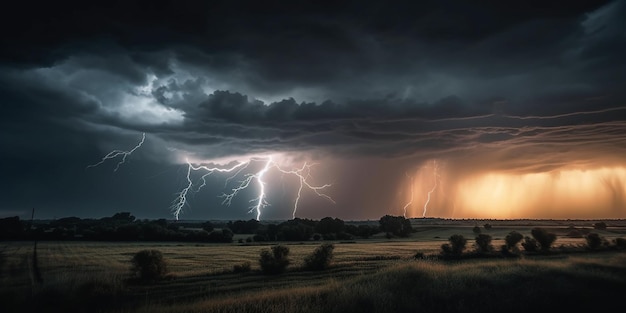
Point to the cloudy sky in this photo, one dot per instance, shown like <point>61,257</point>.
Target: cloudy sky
<point>451,109</point>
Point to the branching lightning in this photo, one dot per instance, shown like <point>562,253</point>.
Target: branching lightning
<point>181,198</point>
<point>436,175</point>
<point>115,153</point>
<point>411,188</point>
<point>259,203</point>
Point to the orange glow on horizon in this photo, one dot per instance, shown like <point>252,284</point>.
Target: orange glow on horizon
<point>562,194</point>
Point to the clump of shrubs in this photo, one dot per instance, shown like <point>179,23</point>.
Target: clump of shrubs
<point>242,268</point>
<point>274,261</point>
<point>321,258</point>
<point>455,247</point>
<point>149,265</point>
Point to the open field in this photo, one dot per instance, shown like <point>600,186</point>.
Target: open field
<point>79,274</point>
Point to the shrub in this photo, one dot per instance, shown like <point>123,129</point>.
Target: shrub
<point>455,247</point>
<point>242,268</point>
<point>483,243</point>
<point>276,261</point>
<point>320,258</point>
<point>594,241</point>
<point>148,265</point>
<point>620,243</point>
<point>543,237</point>
<point>512,239</point>
<point>530,244</point>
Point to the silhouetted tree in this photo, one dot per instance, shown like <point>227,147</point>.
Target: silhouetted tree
<point>328,225</point>
<point>396,225</point>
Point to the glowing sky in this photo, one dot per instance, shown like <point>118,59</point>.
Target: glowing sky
<point>435,108</point>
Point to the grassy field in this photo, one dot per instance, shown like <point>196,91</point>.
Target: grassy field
<point>373,275</point>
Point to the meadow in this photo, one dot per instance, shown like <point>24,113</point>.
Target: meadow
<point>366,275</point>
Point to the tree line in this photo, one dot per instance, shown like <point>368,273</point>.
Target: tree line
<point>123,226</point>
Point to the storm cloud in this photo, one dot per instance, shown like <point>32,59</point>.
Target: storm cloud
<point>371,92</point>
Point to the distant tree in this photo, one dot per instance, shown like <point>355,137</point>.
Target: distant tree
<point>276,261</point>
<point>483,244</point>
<point>599,225</point>
<point>244,227</point>
<point>222,235</point>
<point>320,258</point>
<point>487,226</point>
<point>543,237</point>
<point>476,229</point>
<point>207,226</point>
<point>329,225</point>
<point>121,218</point>
<point>149,265</point>
<point>395,225</point>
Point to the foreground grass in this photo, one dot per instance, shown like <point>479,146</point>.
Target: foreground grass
<point>577,284</point>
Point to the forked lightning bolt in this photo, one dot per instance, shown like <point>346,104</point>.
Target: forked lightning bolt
<point>181,198</point>
<point>260,201</point>
<point>303,182</point>
<point>116,153</point>
<point>436,174</point>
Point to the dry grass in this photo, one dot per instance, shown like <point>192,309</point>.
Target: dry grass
<point>376,275</point>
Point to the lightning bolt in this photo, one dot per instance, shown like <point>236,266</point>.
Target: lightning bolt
<point>115,153</point>
<point>181,198</point>
<point>410,201</point>
<point>302,177</point>
<point>260,202</point>
<point>436,174</point>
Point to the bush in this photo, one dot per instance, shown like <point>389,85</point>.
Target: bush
<point>483,244</point>
<point>242,268</point>
<point>149,265</point>
<point>530,244</point>
<point>543,237</point>
<point>320,258</point>
<point>455,247</point>
<point>594,241</point>
<point>620,243</point>
<point>276,261</point>
<point>512,239</point>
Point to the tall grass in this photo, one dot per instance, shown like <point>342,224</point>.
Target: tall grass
<point>576,284</point>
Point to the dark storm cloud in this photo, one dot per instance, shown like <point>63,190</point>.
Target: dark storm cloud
<point>516,86</point>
